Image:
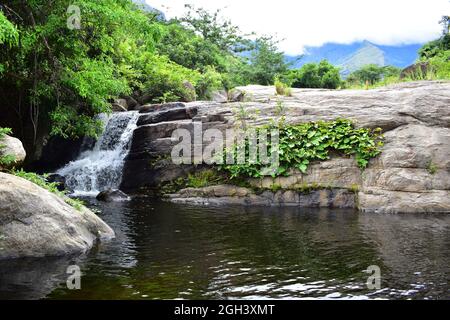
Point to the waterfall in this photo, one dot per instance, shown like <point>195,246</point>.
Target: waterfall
<point>101,167</point>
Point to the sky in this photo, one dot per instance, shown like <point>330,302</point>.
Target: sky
<point>300,23</point>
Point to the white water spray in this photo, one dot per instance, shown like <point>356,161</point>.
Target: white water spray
<point>101,168</point>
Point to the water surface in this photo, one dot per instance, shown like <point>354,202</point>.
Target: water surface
<point>167,251</point>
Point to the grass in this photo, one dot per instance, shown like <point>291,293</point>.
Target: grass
<point>282,89</point>
<point>203,179</point>
<point>41,181</point>
<point>439,69</point>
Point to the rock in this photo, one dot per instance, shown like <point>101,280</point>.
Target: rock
<point>236,95</point>
<point>416,71</point>
<point>37,223</point>
<point>190,94</point>
<point>228,194</point>
<point>219,96</point>
<point>131,103</point>
<point>163,114</point>
<point>10,146</point>
<point>58,179</point>
<point>119,105</point>
<point>161,107</point>
<point>414,116</point>
<point>59,151</point>
<point>112,195</point>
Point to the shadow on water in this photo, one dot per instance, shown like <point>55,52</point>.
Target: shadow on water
<point>178,251</point>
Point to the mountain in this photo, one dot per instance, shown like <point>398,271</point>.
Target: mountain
<point>351,57</point>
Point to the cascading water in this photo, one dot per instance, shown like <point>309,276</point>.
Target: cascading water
<point>101,167</point>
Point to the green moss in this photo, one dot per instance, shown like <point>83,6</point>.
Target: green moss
<point>432,168</point>
<point>5,160</point>
<point>354,188</point>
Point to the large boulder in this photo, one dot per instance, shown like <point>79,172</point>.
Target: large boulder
<point>37,223</point>
<point>412,173</point>
<point>10,146</point>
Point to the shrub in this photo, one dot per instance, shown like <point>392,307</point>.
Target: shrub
<point>301,144</point>
<point>208,82</point>
<point>166,79</point>
<point>282,89</point>
<point>313,75</point>
<point>372,74</point>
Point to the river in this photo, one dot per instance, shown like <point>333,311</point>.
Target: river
<point>168,251</point>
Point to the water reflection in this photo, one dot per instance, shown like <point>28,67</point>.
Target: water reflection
<point>176,251</point>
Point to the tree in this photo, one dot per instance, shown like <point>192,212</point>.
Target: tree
<point>69,75</point>
<point>213,28</point>
<point>445,21</point>
<point>266,62</point>
<point>370,73</point>
<point>313,75</point>
<point>373,73</point>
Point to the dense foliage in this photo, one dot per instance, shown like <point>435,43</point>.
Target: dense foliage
<point>316,75</point>
<point>63,62</point>
<point>373,73</point>
<point>300,145</point>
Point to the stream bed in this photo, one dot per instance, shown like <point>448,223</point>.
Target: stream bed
<point>168,251</point>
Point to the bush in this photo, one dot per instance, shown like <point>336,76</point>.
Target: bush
<point>282,89</point>
<point>165,81</point>
<point>313,75</point>
<point>373,74</point>
<point>301,144</point>
<point>208,82</point>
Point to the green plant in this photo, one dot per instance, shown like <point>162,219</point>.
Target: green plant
<point>208,82</point>
<point>41,181</point>
<point>354,188</point>
<point>301,144</point>
<point>203,179</point>
<point>275,187</point>
<point>5,159</point>
<point>280,108</point>
<point>282,89</point>
<point>316,75</point>
<point>432,168</point>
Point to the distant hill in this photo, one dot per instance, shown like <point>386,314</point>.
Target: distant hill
<point>351,57</point>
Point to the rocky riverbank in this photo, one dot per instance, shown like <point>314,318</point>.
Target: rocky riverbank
<point>412,174</point>
<point>35,222</point>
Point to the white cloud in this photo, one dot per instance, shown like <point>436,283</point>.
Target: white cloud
<point>315,22</point>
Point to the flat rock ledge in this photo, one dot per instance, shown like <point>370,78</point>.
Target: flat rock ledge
<point>36,223</point>
<point>412,174</point>
<point>233,195</point>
